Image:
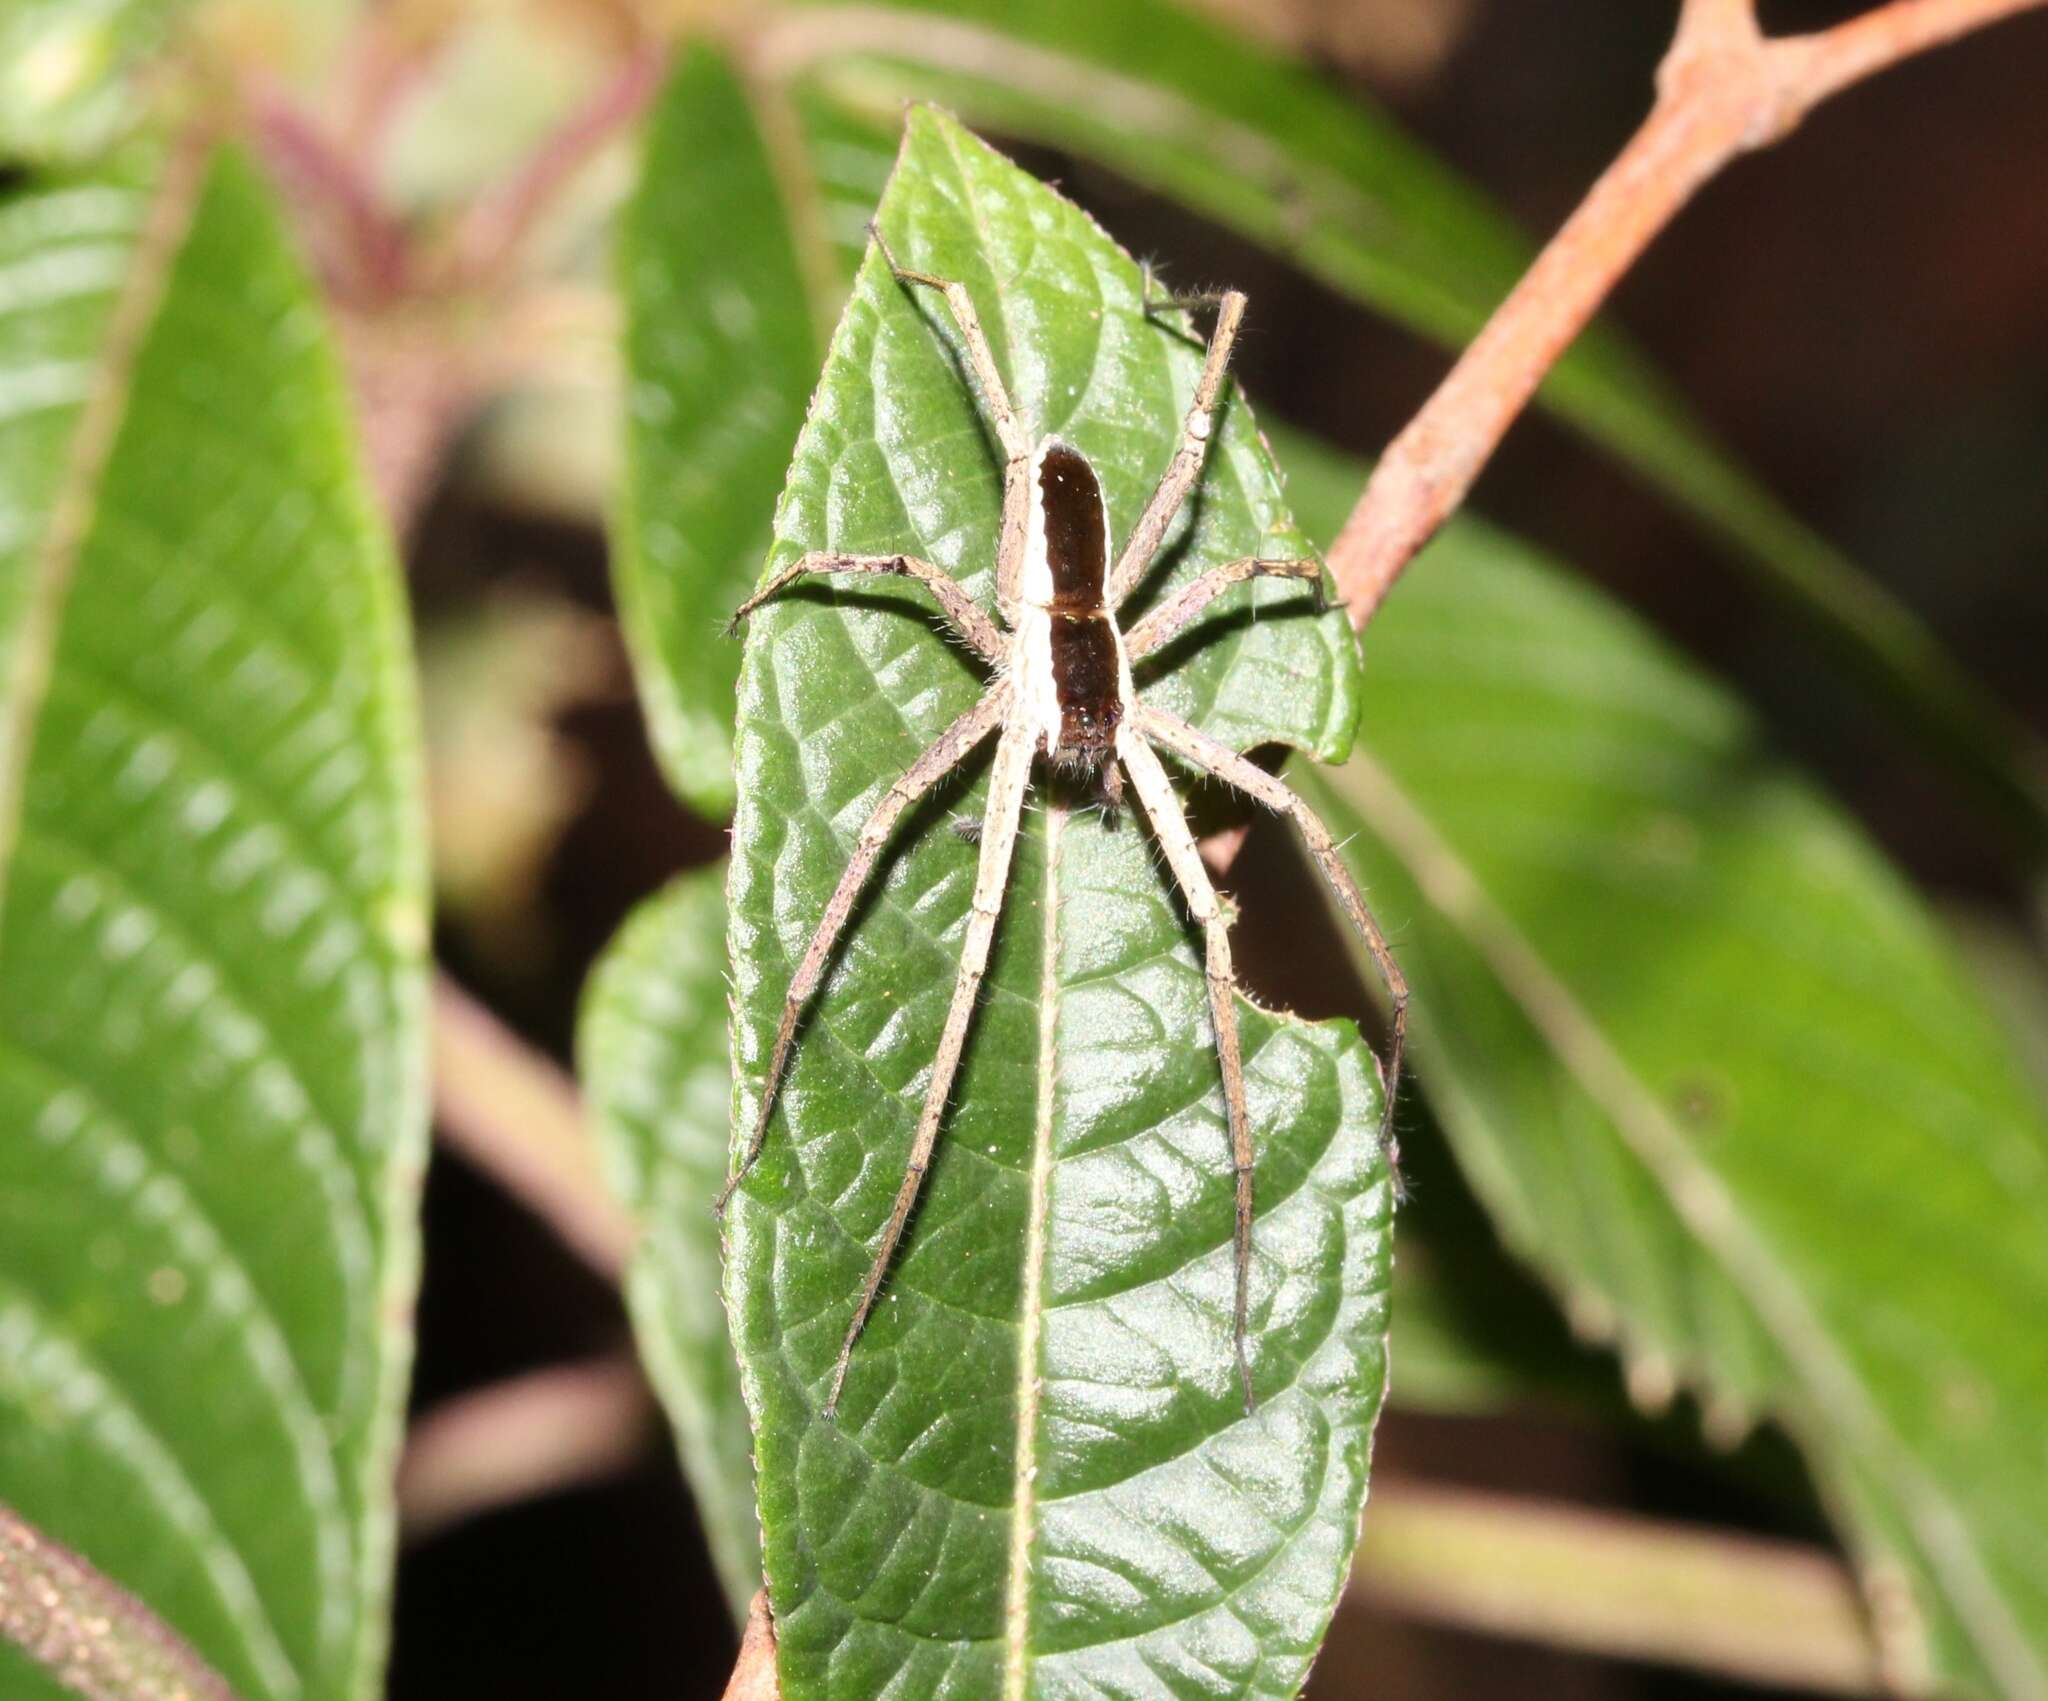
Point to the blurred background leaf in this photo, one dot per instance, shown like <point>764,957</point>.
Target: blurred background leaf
<point>720,354</point>
<point>505,781</point>
<point>211,940</point>
<point>652,1054</point>
<point>69,70</point>
<point>1712,1067</point>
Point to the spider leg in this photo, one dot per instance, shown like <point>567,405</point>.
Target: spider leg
<point>962,612</point>
<point>1010,429</point>
<point>1168,298</point>
<point>1109,787</point>
<point>1248,777</point>
<point>1009,778</point>
<point>940,758</point>
<point>1170,616</point>
<point>1177,839</point>
<point>1186,465</point>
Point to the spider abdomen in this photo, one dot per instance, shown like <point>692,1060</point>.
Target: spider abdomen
<point>1086,675</point>
<point>1065,576</point>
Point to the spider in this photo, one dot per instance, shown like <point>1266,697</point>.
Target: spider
<point>1062,688</point>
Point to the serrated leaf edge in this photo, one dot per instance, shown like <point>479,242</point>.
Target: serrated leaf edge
<point>1700,1201</point>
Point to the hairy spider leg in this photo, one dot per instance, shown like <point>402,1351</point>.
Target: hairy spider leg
<point>941,757</point>
<point>962,612</point>
<point>1009,779</point>
<point>1010,432</point>
<point>1174,734</point>
<point>1184,299</point>
<point>1177,841</point>
<point>1173,614</point>
<point>1186,466</point>
<point>1027,724</point>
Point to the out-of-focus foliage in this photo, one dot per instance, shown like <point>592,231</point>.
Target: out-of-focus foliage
<point>211,937</point>
<point>1711,1065</point>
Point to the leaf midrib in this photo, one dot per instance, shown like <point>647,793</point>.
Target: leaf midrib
<point>1701,1203</point>
<point>1023,1499</point>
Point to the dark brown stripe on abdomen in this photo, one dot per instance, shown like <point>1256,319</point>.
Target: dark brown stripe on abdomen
<point>1075,549</point>
<point>1084,676</point>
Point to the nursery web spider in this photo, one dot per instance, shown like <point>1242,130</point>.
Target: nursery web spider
<point>1062,688</point>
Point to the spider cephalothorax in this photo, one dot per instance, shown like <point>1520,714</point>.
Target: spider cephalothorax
<point>1061,688</point>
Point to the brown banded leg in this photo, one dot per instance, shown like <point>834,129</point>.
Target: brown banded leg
<point>1186,466</point>
<point>962,612</point>
<point>1173,733</point>
<point>1180,608</point>
<point>1010,431</point>
<point>1009,779</point>
<point>1177,840</point>
<point>940,758</point>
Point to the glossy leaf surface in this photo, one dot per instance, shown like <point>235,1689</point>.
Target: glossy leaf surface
<point>1041,1478</point>
<point>1712,1069</point>
<point>211,1076</point>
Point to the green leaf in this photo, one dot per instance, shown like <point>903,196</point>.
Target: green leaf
<point>720,353</point>
<point>1189,109</point>
<point>651,1046</point>
<point>1041,1479</point>
<point>211,943</point>
<point>1712,1068</point>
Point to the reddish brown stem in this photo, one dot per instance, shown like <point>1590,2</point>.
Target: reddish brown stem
<point>535,1434</point>
<point>753,1674</point>
<point>1724,89</point>
<point>364,252</point>
<point>516,1116</point>
<point>90,1634</point>
<point>493,231</point>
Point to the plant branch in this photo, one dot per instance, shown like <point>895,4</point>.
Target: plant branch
<point>365,253</point>
<point>88,1632</point>
<point>515,1115</point>
<point>1724,89</point>
<point>492,232</point>
<point>753,1674</point>
<point>1769,1612</point>
<point>518,1439</point>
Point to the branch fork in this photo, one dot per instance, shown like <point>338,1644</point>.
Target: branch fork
<point>1724,89</point>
